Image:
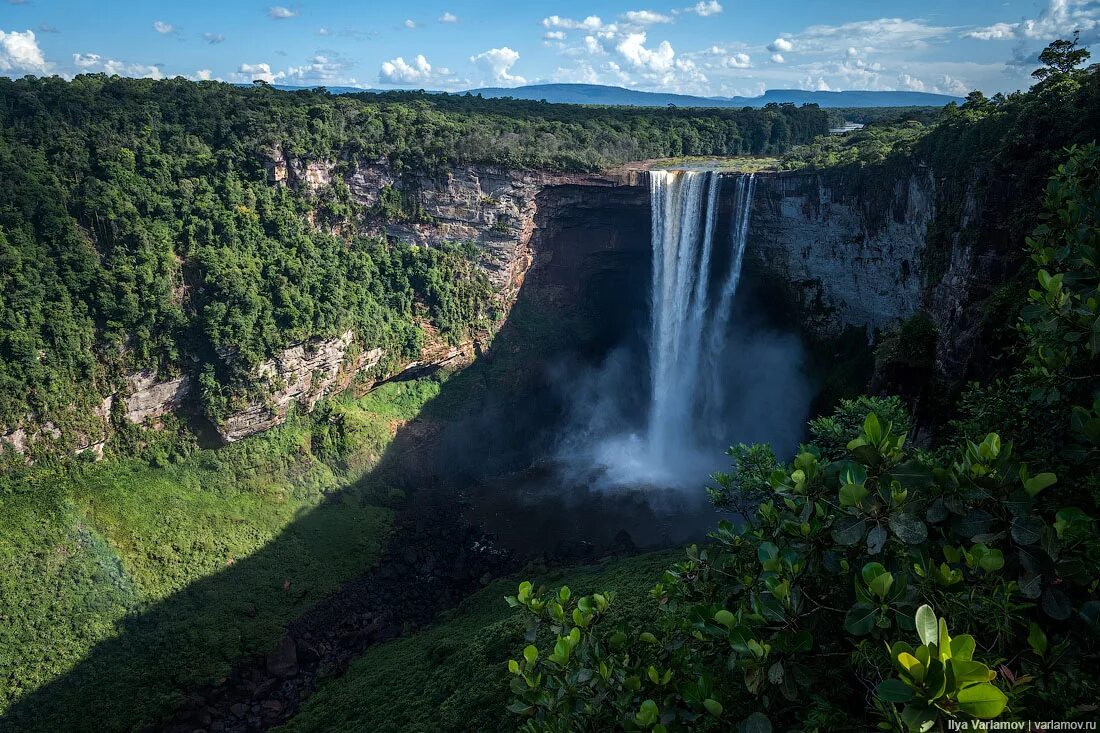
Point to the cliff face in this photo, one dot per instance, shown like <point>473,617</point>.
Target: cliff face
<point>840,262</point>
<point>842,247</point>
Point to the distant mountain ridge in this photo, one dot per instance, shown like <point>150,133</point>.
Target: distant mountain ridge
<point>599,94</point>
<point>618,96</point>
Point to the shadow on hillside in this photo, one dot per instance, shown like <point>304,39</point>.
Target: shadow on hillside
<point>471,446</point>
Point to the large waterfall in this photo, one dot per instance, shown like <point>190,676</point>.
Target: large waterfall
<point>718,374</point>
<point>690,313</point>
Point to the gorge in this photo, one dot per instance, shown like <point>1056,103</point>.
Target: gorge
<point>295,387</point>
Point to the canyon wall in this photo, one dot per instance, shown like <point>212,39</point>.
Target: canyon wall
<point>843,247</point>
<point>839,261</point>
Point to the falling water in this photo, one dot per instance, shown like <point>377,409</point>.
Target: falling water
<point>690,317</point>
<point>688,418</point>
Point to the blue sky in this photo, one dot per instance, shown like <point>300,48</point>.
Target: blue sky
<point>711,47</point>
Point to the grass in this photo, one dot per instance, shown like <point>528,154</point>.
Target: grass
<point>122,584</point>
<point>453,675</point>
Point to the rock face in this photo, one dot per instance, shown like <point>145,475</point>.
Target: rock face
<point>842,264</point>
<point>149,398</point>
<point>302,375</point>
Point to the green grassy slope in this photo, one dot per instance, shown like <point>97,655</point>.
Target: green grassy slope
<point>453,675</point>
<point>154,580</point>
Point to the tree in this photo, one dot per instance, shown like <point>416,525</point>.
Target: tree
<point>1061,57</point>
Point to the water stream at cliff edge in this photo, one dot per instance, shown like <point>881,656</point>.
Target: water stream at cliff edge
<point>694,282</point>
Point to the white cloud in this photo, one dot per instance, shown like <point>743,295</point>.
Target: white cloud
<point>322,31</point>
<point>203,74</point>
<point>400,72</point>
<point>780,45</point>
<point>881,33</point>
<point>911,83</point>
<point>279,12</point>
<point>593,46</point>
<point>591,23</point>
<point>853,52</point>
<point>213,38</point>
<point>711,7</point>
<point>259,72</point>
<point>1059,19</point>
<point>163,28</point>
<point>737,61</point>
<point>448,18</point>
<point>498,62</point>
<point>778,58</point>
<point>553,36</point>
<point>645,17</point>
<point>86,60</point>
<point>633,49</point>
<point>95,62</point>
<point>995,32</point>
<point>409,23</point>
<point>20,52</point>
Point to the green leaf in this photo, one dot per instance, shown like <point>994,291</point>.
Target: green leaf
<point>1037,483</point>
<point>756,723</point>
<point>1056,604</point>
<point>564,593</point>
<point>848,531</point>
<point>713,706</point>
<point>982,701</point>
<point>649,638</point>
<point>530,653</point>
<point>725,618</point>
<point>1036,639</point>
<point>919,717</point>
<point>852,494</point>
<point>1027,530</point>
<point>894,690</point>
<point>513,666</point>
<point>860,619</point>
<point>908,528</point>
<point>927,625</point>
<point>962,647</point>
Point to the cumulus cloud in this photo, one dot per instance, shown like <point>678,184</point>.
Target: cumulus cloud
<point>632,48</point>
<point>204,74</point>
<point>409,23</point>
<point>553,36</point>
<point>402,73</point>
<point>498,63</point>
<point>448,18</point>
<point>645,17</point>
<point>20,52</point>
<point>591,23</point>
<point>778,58</point>
<point>737,61</point>
<point>259,72</point>
<point>995,32</point>
<point>711,7</point>
<point>96,62</point>
<point>213,38</point>
<point>780,45</point>
<point>1059,19</point>
<point>280,12</point>
<point>163,28</point>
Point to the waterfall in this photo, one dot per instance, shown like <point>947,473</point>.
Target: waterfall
<point>690,314</point>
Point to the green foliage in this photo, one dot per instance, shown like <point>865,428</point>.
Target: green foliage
<point>970,534</point>
<point>939,678</point>
<point>453,676</point>
<point>867,146</point>
<point>139,228</point>
<point>172,573</point>
<point>1061,57</point>
<point>1006,549</point>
